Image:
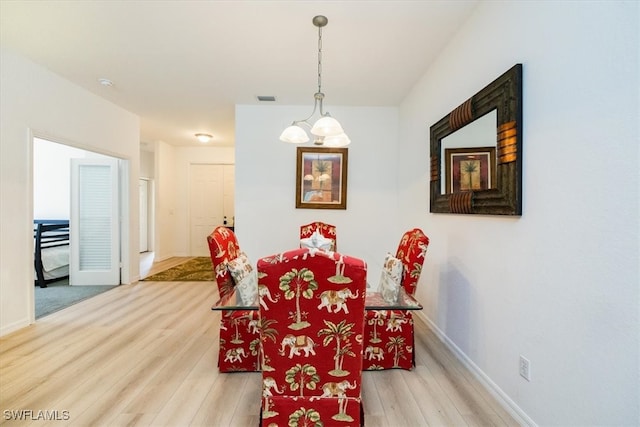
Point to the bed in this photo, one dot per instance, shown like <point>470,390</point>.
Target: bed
<point>51,250</point>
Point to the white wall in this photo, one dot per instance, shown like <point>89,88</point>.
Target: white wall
<point>52,178</point>
<point>34,101</point>
<point>165,200</point>
<point>560,284</point>
<point>147,159</point>
<point>266,217</point>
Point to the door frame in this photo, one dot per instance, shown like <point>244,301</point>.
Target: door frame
<point>124,169</point>
<point>148,218</point>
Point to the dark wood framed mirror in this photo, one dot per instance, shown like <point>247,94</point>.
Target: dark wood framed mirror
<point>484,185</point>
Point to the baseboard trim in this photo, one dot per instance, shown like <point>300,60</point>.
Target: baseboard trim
<point>13,327</point>
<point>505,401</point>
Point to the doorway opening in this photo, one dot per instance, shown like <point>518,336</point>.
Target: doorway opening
<point>54,197</point>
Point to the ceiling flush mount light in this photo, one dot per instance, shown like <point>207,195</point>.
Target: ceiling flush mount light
<point>105,82</point>
<point>327,131</point>
<point>203,137</point>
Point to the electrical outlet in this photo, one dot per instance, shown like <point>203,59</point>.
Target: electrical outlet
<point>525,368</point>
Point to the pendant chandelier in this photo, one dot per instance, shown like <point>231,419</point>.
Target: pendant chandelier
<point>326,131</point>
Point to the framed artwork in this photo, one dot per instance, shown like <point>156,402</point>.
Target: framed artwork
<point>470,169</point>
<point>321,178</point>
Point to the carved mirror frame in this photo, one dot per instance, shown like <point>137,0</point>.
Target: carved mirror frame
<point>505,96</point>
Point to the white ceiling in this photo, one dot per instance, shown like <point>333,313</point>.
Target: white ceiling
<point>182,66</point>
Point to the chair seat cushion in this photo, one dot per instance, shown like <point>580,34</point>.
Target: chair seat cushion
<point>245,278</point>
<point>390,278</point>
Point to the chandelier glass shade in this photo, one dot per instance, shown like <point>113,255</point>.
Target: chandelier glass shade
<point>336,140</point>
<point>326,131</point>
<point>327,126</point>
<point>294,134</point>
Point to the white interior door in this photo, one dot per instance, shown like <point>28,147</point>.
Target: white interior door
<point>206,204</point>
<point>94,222</point>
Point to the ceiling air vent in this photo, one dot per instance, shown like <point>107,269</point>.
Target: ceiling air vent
<point>266,98</point>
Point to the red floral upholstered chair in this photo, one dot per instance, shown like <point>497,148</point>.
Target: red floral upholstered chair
<point>388,336</point>
<point>239,338</point>
<point>312,338</point>
<point>310,233</point>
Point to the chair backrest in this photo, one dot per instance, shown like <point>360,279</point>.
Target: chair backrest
<point>411,252</point>
<point>326,230</point>
<point>223,247</point>
<point>312,323</point>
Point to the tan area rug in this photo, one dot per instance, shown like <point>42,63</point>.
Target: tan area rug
<point>195,270</point>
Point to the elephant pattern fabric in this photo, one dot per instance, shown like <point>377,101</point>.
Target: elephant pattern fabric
<point>388,336</point>
<point>239,345</point>
<point>326,230</point>
<point>312,338</point>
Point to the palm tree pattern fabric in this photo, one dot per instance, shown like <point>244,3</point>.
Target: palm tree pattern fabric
<point>239,346</point>
<point>327,230</point>
<point>312,338</point>
<point>388,334</point>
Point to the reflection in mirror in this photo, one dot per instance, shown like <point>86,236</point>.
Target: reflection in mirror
<point>479,133</point>
<point>480,174</point>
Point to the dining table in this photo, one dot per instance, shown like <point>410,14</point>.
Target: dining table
<point>373,301</point>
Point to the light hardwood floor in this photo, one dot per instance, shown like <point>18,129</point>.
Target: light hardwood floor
<point>145,354</point>
<point>149,266</point>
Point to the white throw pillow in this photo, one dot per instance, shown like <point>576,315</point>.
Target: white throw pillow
<point>245,278</point>
<point>390,278</point>
<point>317,241</point>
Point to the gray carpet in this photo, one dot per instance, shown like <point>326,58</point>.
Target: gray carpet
<point>59,295</point>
